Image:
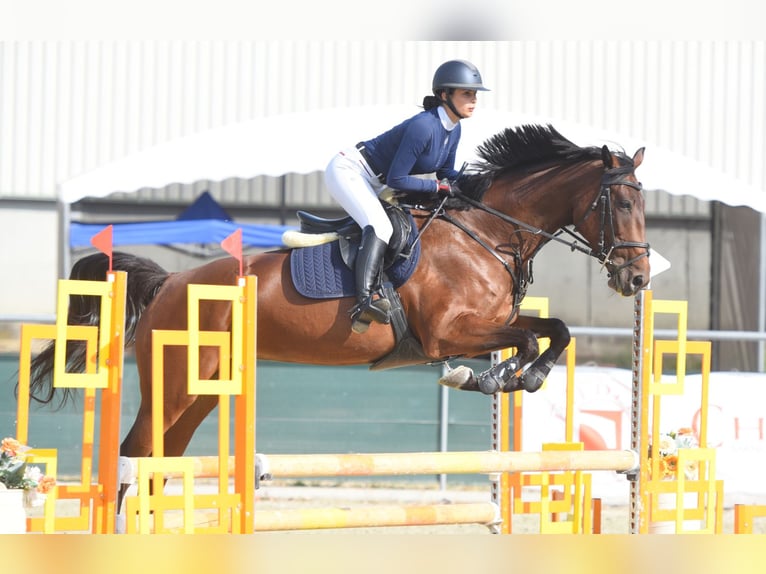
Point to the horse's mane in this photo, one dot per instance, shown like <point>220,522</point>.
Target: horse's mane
<point>527,148</point>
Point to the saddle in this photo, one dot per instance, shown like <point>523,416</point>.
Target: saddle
<point>325,270</point>
<point>350,234</point>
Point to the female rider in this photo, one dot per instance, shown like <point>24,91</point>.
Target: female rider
<point>422,144</point>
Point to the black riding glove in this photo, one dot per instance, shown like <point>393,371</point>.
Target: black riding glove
<point>446,187</point>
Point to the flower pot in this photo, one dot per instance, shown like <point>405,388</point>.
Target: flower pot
<point>13,517</point>
<point>667,501</point>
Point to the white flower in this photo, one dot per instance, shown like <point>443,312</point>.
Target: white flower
<point>667,445</point>
<point>667,450</point>
<point>33,473</point>
<point>686,441</point>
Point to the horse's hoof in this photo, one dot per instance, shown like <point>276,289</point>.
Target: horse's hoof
<point>513,384</point>
<point>532,380</point>
<point>489,382</point>
<point>457,378</point>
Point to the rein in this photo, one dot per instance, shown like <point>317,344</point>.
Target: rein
<point>521,276</point>
<point>611,177</point>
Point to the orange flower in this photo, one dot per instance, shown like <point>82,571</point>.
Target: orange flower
<point>46,484</point>
<point>11,446</point>
<point>672,463</point>
<point>667,448</point>
<point>15,473</point>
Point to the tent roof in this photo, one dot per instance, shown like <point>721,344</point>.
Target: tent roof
<point>204,207</point>
<point>305,142</point>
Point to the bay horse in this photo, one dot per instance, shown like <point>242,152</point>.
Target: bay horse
<point>531,185</point>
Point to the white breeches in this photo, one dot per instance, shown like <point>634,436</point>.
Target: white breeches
<point>352,184</point>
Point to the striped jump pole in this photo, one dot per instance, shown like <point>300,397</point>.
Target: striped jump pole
<point>417,463</point>
<point>394,464</point>
<point>485,513</point>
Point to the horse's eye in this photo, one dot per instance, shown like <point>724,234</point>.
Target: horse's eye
<point>624,204</point>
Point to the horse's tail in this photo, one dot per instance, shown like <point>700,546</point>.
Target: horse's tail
<point>144,279</point>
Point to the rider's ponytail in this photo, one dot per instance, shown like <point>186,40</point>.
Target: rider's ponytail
<point>431,102</point>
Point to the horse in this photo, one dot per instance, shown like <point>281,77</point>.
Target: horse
<point>529,186</point>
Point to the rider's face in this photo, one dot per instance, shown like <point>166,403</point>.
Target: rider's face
<point>464,102</point>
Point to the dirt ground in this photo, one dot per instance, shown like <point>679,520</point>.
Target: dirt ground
<point>336,499</point>
<point>614,518</point>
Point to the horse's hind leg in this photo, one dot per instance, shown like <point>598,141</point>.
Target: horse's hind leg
<point>137,443</point>
<point>178,436</point>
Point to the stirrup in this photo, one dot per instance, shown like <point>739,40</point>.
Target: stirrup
<point>369,310</point>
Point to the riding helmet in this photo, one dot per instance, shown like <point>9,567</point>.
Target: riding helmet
<point>458,74</point>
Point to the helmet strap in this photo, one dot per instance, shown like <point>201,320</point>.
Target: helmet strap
<point>451,106</point>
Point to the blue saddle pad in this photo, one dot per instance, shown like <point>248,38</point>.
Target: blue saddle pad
<point>319,272</point>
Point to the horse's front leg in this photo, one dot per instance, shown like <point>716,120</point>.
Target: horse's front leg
<point>510,375</point>
<point>558,333</point>
<point>479,336</point>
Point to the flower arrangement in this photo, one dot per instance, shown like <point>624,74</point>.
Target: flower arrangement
<point>667,448</point>
<point>15,473</point>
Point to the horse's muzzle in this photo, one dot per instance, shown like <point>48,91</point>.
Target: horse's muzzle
<point>628,281</point>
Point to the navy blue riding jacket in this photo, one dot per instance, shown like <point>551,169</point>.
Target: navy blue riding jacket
<point>419,145</point>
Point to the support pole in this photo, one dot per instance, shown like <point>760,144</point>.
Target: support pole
<point>639,403</point>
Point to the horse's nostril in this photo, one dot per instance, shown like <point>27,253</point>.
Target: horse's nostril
<point>638,280</point>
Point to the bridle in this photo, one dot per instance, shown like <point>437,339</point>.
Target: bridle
<point>612,176</point>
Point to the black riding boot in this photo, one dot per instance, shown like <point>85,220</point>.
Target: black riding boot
<point>369,261</point>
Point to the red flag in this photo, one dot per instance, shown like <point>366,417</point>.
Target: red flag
<point>233,245</point>
<point>103,242</point>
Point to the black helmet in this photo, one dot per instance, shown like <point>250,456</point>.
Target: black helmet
<point>457,74</point>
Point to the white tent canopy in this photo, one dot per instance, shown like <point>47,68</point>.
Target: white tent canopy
<point>305,142</point>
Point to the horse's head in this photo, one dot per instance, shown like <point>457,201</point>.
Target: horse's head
<point>615,226</point>
<point>522,165</point>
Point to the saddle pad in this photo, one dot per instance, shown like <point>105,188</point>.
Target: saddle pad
<point>319,272</point>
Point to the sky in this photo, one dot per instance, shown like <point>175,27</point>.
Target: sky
<point>392,19</point>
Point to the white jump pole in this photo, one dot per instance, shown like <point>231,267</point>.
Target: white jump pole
<point>394,464</point>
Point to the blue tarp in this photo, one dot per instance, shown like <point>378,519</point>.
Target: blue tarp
<point>204,221</point>
<point>167,232</point>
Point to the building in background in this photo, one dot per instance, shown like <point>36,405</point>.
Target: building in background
<point>68,108</point>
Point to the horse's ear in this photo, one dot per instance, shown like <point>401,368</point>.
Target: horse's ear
<point>606,157</point>
<point>638,157</point>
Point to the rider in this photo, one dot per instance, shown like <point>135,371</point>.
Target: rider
<point>422,144</point>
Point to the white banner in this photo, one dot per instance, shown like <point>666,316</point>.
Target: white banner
<point>601,420</point>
